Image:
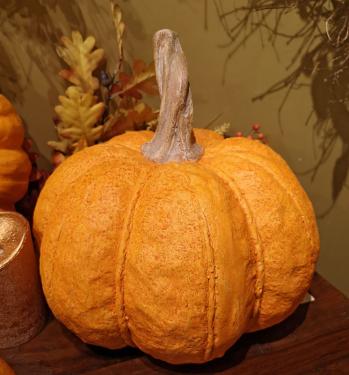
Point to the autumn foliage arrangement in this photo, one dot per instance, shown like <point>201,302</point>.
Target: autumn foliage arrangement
<point>99,104</point>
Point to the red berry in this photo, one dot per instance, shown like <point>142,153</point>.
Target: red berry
<point>28,143</point>
<point>239,134</point>
<point>57,158</point>
<point>55,120</point>
<point>256,127</point>
<point>250,136</point>
<point>261,136</point>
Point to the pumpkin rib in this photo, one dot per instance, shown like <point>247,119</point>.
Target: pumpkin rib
<point>281,162</point>
<point>211,290</point>
<point>66,174</point>
<point>298,266</point>
<point>306,223</point>
<point>211,315</point>
<point>211,286</point>
<point>258,258</point>
<point>173,179</point>
<point>266,155</point>
<point>47,282</point>
<point>253,152</point>
<point>288,192</point>
<point>12,190</point>
<point>11,132</point>
<point>125,331</point>
<point>41,213</point>
<point>48,253</point>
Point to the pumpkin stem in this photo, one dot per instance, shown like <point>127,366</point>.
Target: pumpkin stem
<point>174,139</point>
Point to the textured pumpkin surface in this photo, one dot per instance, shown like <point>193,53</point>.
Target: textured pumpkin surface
<point>178,259</point>
<point>15,166</point>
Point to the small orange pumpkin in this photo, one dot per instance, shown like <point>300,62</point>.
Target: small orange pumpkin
<point>15,166</point>
<point>176,247</point>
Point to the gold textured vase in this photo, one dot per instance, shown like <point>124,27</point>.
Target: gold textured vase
<point>22,306</point>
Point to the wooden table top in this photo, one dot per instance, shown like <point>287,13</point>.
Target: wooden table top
<point>314,340</point>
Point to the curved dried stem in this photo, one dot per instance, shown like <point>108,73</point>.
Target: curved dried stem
<point>173,139</point>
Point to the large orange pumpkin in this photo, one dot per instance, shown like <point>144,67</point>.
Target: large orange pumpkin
<point>15,166</point>
<point>156,242</point>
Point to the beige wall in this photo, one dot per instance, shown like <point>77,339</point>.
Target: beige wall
<point>249,72</point>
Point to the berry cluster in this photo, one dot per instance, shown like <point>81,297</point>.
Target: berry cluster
<point>255,133</point>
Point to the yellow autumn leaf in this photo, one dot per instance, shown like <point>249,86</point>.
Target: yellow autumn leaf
<point>78,113</point>
<point>82,59</point>
<point>119,28</point>
<point>222,129</point>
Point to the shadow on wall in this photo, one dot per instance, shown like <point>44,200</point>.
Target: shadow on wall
<point>30,31</point>
<point>320,62</point>
<point>33,24</point>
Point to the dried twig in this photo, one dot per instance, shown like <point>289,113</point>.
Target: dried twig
<point>119,30</point>
<point>322,55</point>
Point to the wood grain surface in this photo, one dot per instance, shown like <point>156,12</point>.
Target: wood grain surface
<point>314,340</point>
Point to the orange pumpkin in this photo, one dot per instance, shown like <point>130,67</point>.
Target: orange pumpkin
<point>176,247</point>
<point>15,166</point>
